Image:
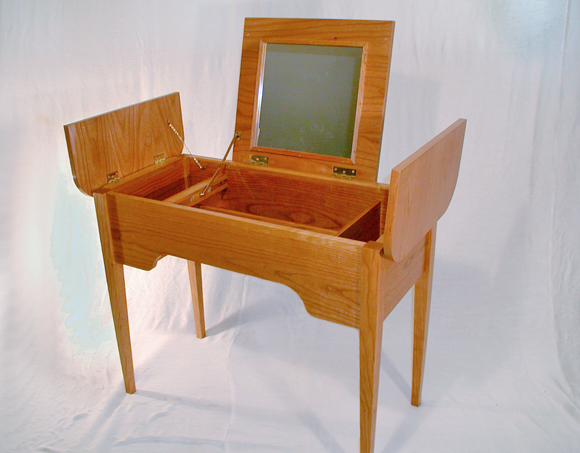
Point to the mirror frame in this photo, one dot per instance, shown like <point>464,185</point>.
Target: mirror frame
<point>374,37</point>
<point>258,106</point>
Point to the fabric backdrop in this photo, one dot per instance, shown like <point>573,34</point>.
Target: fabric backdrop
<point>503,367</point>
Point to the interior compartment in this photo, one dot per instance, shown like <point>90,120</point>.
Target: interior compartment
<point>333,207</point>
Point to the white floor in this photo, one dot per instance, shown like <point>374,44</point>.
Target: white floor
<point>269,377</point>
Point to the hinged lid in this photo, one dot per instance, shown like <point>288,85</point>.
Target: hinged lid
<point>109,147</point>
<point>312,94</point>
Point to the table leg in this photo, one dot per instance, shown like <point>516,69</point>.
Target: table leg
<point>370,338</point>
<point>116,285</point>
<point>194,270</point>
<point>421,317</point>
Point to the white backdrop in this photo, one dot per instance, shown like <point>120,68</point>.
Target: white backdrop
<point>503,368</point>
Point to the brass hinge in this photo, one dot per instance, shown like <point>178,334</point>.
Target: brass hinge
<point>158,158</point>
<point>262,161</point>
<point>113,177</point>
<point>345,173</point>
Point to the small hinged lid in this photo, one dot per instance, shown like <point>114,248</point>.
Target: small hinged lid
<point>106,148</point>
<point>312,94</point>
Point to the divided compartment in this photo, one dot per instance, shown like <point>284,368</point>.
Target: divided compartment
<point>329,206</point>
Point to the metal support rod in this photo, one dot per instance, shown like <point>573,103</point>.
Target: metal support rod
<point>235,137</point>
<point>201,167</point>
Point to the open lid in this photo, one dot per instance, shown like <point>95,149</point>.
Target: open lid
<point>312,95</point>
<point>124,141</point>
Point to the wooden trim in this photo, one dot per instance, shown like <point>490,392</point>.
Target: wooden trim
<point>326,179</point>
<point>376,39</point>
<point>265,151</point>
<point>302,40</point>
<point>218,184</point>
<point>421,190</point>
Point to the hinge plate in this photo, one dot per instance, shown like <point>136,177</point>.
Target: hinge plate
<point>113,177</point>
<point>345,173</point>
<point>262,161</point>
<point>158,158</point>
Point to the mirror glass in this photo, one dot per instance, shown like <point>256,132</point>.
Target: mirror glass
<point>309,98</point>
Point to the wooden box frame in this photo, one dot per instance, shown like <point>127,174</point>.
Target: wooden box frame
<point>351,249</point>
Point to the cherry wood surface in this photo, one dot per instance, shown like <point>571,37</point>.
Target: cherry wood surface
<point>117,296</point>
<point>310,263</point>
<point>354,280</point>
<point>123,141</point>
<point>422,306</point>
<point>194,271</point>
<point>376,39</point>
<point>421,190</point>
<point>285,222</point>
<point>304,201</point>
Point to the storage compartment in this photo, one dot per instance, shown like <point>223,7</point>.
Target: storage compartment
<point>325,205</point>
<point>311,102</point>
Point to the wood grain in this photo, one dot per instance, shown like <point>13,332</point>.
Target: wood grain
<point>376,37</point>
<point>161,181</point>
<point>370,338</point>
<point>192,194</point>
<point>284,222</point>
<point>365,227</point>
<point>123,141</point>
<point>323,270</point>
<point>215,206</point>
<point>421,190</point>
<point>422,303</point>
<point>149,178</point>
<point>306,201</point>
<point>116,286</point>
<point>384,283</point>
<point>194,271</point>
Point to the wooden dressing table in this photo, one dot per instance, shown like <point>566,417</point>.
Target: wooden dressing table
<point>298,204</point>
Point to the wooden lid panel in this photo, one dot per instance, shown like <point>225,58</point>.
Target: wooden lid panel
<point>421,189</point>
<point>374,37</point>
<point>124,141</point>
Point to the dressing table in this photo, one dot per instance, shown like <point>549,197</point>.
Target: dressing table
<point>298,203</point>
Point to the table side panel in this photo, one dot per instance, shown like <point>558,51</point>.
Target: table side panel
<point>323,270</point>
<point>397,278</point>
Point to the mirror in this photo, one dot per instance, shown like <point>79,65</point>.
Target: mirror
<point>309,96</point>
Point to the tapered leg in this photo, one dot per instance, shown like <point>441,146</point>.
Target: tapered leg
<point>370,337</point>
<point>116,285</point>
<point>194,269</point>
<point>421,318</point>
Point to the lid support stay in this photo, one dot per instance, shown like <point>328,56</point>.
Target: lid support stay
<point>236,136</point>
